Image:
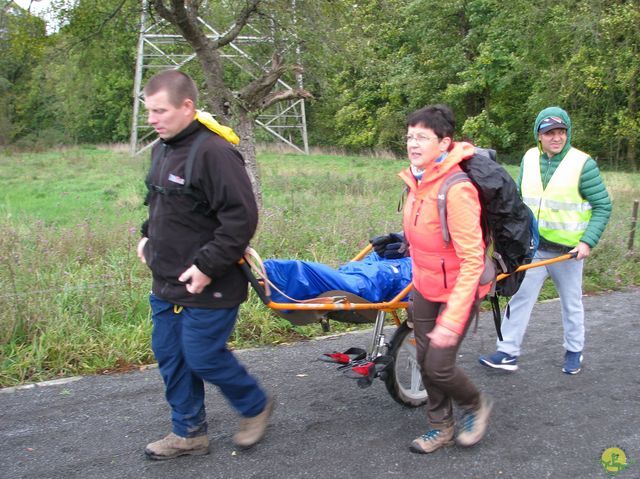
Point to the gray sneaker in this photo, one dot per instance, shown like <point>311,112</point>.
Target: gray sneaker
<point>433,440</point>
<point>173,446</point>
<point>252,429</point>
<point>473,424</point>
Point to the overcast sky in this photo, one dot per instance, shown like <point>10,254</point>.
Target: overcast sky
<point>37,6</point>
<point>40,8</point>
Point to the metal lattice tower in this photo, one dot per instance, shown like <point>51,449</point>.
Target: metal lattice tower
<point>161,48</point>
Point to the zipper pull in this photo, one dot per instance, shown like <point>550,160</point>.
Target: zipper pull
<point>418,213</point>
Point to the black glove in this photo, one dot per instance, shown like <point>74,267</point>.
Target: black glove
<point>391,246</point>
<point>395,250</point>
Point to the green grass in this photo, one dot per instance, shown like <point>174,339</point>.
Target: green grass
<point>73,296</point>
<point>72,186</point>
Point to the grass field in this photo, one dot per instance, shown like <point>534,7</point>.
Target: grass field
<point>74,295</point>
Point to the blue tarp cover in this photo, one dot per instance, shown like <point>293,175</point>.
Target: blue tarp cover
<point>373,278</point>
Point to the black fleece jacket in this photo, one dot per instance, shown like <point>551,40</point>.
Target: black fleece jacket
<point>180,237</point>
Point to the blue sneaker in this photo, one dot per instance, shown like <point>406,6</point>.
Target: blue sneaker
<point>572,362</point>
<point>500,360</point>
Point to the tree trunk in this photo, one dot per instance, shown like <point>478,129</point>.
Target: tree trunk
<point>244,128</point>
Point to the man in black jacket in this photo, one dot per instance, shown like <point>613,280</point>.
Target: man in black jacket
<point>199,225</point>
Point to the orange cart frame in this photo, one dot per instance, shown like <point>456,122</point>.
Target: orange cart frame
<point>346,307</point>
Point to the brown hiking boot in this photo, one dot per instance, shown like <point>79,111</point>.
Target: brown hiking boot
<point>252,429</point>
<point>474,423</point>
<point>173,446</point>
<point>433,440</point>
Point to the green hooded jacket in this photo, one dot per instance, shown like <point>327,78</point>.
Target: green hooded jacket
<point>591,186</point>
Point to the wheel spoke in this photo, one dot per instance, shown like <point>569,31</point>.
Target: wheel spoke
<point>416,378</point>
<point>405,384</point>
<point>407,352</point>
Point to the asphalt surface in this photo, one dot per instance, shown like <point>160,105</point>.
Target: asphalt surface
<point>545,423</point>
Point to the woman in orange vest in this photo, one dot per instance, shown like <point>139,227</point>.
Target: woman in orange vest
<point>446,276</point>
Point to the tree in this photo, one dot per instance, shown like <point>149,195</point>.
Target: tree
<point>239,107</point>
<point>22,43</point>
<point>90,85</point>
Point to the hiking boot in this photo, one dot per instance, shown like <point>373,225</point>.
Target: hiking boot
<point>252,429</point>
<point>173,446</point>
<point>473,424</point>
<point>433,440</point>
<point>500,360</point>
<point>572,362</point>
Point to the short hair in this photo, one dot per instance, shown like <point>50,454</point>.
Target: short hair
<point>439,118</point>
<point>178,85</point>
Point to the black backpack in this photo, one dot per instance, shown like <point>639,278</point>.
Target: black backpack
<point>509,227</point>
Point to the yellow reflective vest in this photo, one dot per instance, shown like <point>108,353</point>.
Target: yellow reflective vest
<point>562,213</point>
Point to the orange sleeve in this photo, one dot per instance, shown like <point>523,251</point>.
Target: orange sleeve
<point>463,218</point>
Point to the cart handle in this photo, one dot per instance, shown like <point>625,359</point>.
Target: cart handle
<point>393,304</point>
<point>544,262</point>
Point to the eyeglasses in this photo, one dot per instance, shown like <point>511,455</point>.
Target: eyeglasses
<point>420,139</point>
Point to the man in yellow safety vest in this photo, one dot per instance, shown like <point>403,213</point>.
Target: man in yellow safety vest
<point>563,187</point>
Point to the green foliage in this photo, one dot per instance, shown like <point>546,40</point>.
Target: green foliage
<point>22,44</point>
<point>496,63</point>
<point>71,87</point>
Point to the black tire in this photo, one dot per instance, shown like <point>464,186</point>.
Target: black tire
<point>403,380</point>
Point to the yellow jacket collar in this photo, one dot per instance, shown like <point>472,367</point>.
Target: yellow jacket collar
<point>224,131</point>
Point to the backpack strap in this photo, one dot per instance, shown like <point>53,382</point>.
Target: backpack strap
<point>497,317</point>
<point>147,181</point>
<point>448,182</point>
<point>201,204</point>
<point>188,167</point>
<point>403,198</point>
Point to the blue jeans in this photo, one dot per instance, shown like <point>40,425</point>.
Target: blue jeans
<point>190,345</point>
<point>567,277</point>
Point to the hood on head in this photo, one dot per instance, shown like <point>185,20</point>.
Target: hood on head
<point>554,111</point>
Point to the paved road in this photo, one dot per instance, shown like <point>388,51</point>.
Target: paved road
<point>545,423</point>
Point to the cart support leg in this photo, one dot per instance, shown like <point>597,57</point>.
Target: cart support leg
<point>377,341</point>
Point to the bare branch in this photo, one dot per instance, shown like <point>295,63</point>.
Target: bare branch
<point>241,21</point>
<point>254,94</point>
<point>278,96</point>
<point>184,16</point>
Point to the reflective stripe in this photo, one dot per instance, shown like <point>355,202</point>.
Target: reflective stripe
<point>562,226</point>
<point>532,203</point>
<point>564,205</point>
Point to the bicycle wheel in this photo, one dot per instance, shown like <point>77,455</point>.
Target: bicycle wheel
<point>403,381</point>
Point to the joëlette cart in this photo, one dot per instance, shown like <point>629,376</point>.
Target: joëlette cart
<point>392,361</point>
